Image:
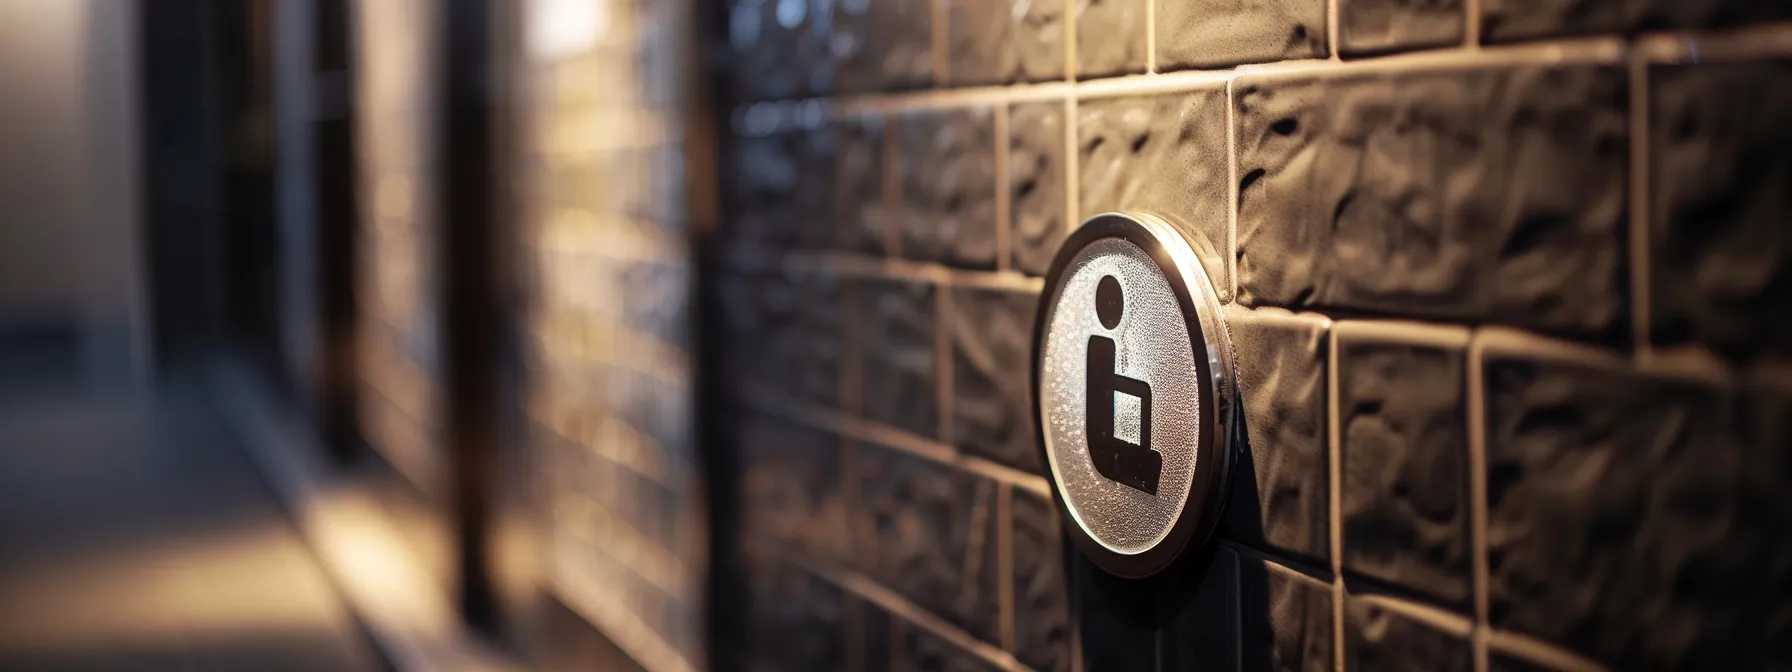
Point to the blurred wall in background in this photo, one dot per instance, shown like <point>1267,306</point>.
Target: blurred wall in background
<point>69,244</point>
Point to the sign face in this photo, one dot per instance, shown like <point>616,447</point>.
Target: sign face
<point>1132,392</point>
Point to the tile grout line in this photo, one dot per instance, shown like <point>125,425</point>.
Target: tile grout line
<point>1575,49</point>
<point>890,438</point>
<point>945,323</point>
<point>1334,469</point>
<point>1471,25</point>
<point>1070,38</point>
<point>1332,30</point>
<point>1005,608</point>
<point>1151,37</point>
<point>891,188</point>
<point>1004,189</point>
<point>1477,491</point>
<point>1232,193</point>
<point>939,43</point>
<point>1639,209</point>
<point>903,609</point>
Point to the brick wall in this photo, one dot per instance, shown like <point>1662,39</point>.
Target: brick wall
<point>1509,284</point>
<point>606,330</point>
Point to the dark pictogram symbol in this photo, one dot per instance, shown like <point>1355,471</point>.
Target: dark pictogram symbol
<point>1134,465</point>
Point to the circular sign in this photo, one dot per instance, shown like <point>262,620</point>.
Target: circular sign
<point>1132,392</point>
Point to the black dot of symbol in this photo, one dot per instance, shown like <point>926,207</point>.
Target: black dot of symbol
<point>1109,302</point>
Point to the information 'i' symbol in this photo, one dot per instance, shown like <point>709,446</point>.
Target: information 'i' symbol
<point>1120,451</point>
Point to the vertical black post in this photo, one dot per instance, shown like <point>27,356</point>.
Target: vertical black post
<point>470,312</point>
<point>333,179</point>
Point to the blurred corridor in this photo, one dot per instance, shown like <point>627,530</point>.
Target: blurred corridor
<point>136,535</point>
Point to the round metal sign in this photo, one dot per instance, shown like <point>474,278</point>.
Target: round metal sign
<point>1132,392</point>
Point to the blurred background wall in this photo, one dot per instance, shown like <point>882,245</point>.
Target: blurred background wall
<point>69,253</point>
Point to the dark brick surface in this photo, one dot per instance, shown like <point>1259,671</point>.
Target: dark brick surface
<point>784,333</point>
<point>761,317</point>
<point>928,531</point>
<point>1372,26</point>
<point>1110,37</point>
<point>790,487</point>
<point>992,340</point>
<point>814,200</point>
<point>1376,638</point>
<point>1506,20</point>
<point>883,45</point>
<point>1721,157</point>
<point>792,619</point>
<point>897,364</point>
<point>1165,155</point>
<point>1280,486</point>
<point>864,209</point>
<point>763,193</point>
<point>1404,449</point>
<point>819,377</point>
<point>947,164</point>
<point>779,49</point>
<point>1638,520</point>
<point>1036,176</point>
<point>1041,587</point>
<point>1286,619</point>
<point>1003,41</point>
<point>1486,195</point>
<point>1212,33</point>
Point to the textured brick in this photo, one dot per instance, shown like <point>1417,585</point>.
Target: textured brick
<point>763,193</point>
<point>898,366</point>
<point>1636,520</point>
<point>992,343</point>
<point>1377,638</point>
<point>873,646</point>
<point>1505,20</point>
<point>790,487</point>
<point>1280,484</point>
<point>1210,33</point>
<point>924,652</point>
<point>784,333</point>
<point>1003,41</point>
<point>1041,599</point>
<point>1036,174</point>
<point>947,164</point>
<point>1287,619</point>
<point>1485,195</point>
<point>819,378</point>
<point>1110,37</point>
<point>1721,158</point>
<point>1203,628</point>
<point>928,532</point>
<point>780,50</point>
<point>883,45</point>
<point>761,317</point>
<point>1404,451</point>
<point>1372,26</point>
<point>813,201</point>
<point>864,210</point>
<point>792,619</point>
<point>1165,155</point>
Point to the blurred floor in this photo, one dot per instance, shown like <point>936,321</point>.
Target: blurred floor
<point>135,535</point>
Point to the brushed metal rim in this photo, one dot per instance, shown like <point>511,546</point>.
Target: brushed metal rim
<point>1212,345</point>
